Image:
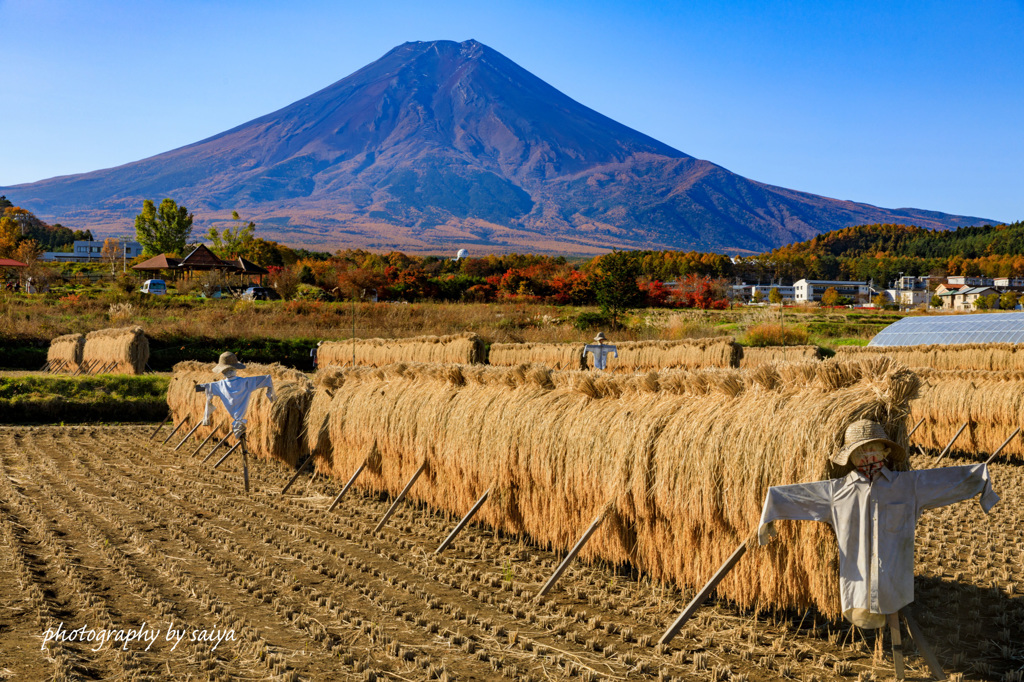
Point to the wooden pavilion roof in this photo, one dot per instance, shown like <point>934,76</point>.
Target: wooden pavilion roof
<point>202,258</point>
<point>161,262</point>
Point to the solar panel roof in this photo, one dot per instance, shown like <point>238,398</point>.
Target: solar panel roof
<point>949,329</point>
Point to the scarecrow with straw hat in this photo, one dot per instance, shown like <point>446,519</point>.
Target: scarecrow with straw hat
<point>601,350</point>
<point>234,391</point>
<point>873,511</point>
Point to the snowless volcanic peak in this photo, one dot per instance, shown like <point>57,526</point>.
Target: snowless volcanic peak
<point>440,145</point>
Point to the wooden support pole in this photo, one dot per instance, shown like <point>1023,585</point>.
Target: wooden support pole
<point>217,447</point>
<point>922,646</point>
<point>1005,443</point>
<point>897,643</point>
<point>205,440</point>
<point>180,424</point>
<point>187,436</point>
<point>245,464</point>
<point>227,454</point>
<point>595,524</point>
<point>950,444</point>
<point>153,435</point>
<point>347,486</point>
<point>398,500</point>
<point>704,593</point>
<point>309,460</point>
<point>462,524</point>
<point>919,422</point>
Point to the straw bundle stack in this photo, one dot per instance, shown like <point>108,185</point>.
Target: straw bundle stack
<point>720,351</point>
<point>755,356</point>
<point>275,430</point>
<point>556,355</point>
<point>633,355</point>
<point>65,354</point>
<point>465,348</point>
<point>680,460</point>
<point>977,356</point>
<point>123,350</point>
<point>990,402</point>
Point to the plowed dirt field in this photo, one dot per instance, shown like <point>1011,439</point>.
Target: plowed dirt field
<point>104,531</point>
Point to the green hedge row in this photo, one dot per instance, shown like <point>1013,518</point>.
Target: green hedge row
<point>99,399</point>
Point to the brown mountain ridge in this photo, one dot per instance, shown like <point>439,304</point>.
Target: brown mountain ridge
<point>443,145</point>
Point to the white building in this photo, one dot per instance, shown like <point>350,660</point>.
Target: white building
<point>808,290</point>
<point>1008,283</point>
<point>92,251</point>
<point>971,281</point>
<point>749,291</point>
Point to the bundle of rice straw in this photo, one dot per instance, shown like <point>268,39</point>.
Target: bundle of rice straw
<point>554,355</point>
<point>990,402</point>
<point>65,354</point>
<point>465,348</point>
<point>755,356</point>
<point>275,430</point>
<point>721,351</point>
<point>123,350</point>
<point>633,355</point>
<point>680,460</point>
<point>979,356</point>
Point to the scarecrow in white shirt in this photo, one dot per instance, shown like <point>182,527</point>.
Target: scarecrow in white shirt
<point>873,511</point>
<point>601,350</point>
<point>234,392</point>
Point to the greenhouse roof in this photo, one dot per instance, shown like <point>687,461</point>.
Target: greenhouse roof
<point>950,329</point>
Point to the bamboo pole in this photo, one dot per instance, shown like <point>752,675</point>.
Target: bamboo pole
<point>462,524</point>
<point>704,593</point>
<point>309,460</point>
<point>205,440</point>
<point>153,435</point>
<point>919,422</point>
<point>180,424</point>
<point>950,443</point>
<point>187,436</point>
<point>351,480</point>
<point>245,464</point>
<point>1000,448</point>
<point>897,643</point>
<point>922,646</point>
<point>595,524</point>
<point>217,447</point>
<point>398,500</point>
<point>227,454</point>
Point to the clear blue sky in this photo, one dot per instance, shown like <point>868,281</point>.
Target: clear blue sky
<point>897,104</point>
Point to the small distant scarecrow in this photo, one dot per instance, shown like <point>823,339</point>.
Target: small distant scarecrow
<point>315,352</point>
<point>601,350</point>
<point>873,511</point>
<point>234,393</point>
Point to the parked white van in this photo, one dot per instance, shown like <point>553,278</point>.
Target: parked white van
<point>154,286</point>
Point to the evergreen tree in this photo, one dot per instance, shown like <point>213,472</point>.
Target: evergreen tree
<point>163,230</point>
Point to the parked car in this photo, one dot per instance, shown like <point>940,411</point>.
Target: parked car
<point>260,294</point>
<point>157,287</point>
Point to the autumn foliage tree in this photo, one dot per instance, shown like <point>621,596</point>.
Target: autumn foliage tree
<point>165,229</point>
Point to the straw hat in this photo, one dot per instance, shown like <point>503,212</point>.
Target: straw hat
<point>862,432</point>
<point>599,337</point>
<point>227,361</point>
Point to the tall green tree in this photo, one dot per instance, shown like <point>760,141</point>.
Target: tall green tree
<point>163,230</point>
<point>235,240</point>
<point>615,284</point>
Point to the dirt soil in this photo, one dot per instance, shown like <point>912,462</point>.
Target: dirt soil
<point>103,529</point>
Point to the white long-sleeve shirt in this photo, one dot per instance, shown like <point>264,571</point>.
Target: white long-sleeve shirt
<point>234,393</point>
<point>601,352</point>
<point>874,524</point>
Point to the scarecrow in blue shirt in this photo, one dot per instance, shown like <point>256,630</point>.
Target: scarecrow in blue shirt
<point>874,511</point>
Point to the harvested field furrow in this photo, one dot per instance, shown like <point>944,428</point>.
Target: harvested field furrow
<point>149,532</point>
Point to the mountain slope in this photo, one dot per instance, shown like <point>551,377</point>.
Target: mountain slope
<point>440,145</point>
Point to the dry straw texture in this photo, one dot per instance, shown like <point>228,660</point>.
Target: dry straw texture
<point>979,356</point>
<point>633,356</point>
<point>275,430</point>
<point>990,402</point>
<point>65,354</point>
<point>680,460</point>
<point>465,348</point>
<point>123,350</point>
<point>755,356</point>
<point>555,355</point>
